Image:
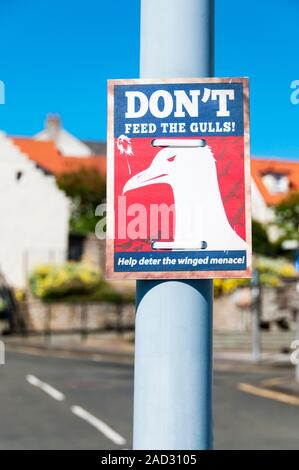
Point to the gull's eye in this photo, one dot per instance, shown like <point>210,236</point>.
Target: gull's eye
<point>171,159</point>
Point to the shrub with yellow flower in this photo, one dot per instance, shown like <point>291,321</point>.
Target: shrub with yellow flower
<point>74,282</point>
<point>53,281</point>
<point>272,272</point>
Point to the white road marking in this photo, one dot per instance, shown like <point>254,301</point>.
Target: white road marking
<point>78,411</point>
<point>99,425</point>
<point>56,394</point>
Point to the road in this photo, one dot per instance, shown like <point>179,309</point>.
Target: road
<point>38,395</point>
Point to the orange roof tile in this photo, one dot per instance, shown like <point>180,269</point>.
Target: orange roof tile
<point>259,168</point>
<point>46,155</point>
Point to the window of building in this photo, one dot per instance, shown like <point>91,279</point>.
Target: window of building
<point>276,183</point>
<point>19,175</point>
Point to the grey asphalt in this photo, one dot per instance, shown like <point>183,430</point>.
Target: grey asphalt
<point>31,419</point>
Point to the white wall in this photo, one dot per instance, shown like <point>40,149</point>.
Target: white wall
<point>260,210</point>
<point>34,215</point>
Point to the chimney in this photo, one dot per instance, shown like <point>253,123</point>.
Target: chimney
<point>53,126</point>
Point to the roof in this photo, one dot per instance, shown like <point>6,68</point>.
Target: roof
<point>261,167</point>
<point>96,146</point>
<point>66,143</point>
<point>46,155</point>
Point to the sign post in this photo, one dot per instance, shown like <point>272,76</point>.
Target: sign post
<point>297,337</point>
<point>256,316</point>
<point>178,214</point>
<point>293,245</point>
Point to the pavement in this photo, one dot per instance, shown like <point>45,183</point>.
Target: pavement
<point>109,346</point>
<point>121,347</point>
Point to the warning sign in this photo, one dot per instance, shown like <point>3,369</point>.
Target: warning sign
<point>178,179</point>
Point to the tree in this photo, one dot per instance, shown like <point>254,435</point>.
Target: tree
<point>86,189</point>
<point>261,243</point>
<point>260,239</point>
<point>287,217</point>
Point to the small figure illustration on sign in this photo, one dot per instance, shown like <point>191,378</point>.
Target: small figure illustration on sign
<point>124,146</point>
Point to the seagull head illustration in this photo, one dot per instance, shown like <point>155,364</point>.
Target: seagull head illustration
<point>172,166</point>
<point>200,217</point>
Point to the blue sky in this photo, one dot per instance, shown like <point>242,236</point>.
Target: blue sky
<point>56,55</point>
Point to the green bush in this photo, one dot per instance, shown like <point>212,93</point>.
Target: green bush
<point>287,216</point>
<point>52,281</point>
<point>73,282</point>
<point>271,273</point>
<point>261,244</point>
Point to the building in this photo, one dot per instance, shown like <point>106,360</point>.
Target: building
<point>66,143</point>
<point>34,213</point>
<point>272,181</point>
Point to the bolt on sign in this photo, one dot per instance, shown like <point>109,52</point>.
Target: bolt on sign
<point>178,179</point>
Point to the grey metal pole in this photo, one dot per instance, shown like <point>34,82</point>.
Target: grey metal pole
<point>297,338</point>
<point>297,334</point>
<point>256,343</point>
<point>256,316</point>
<point>173,348</point>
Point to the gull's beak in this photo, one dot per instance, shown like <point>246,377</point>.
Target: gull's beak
<point>144,178</point>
